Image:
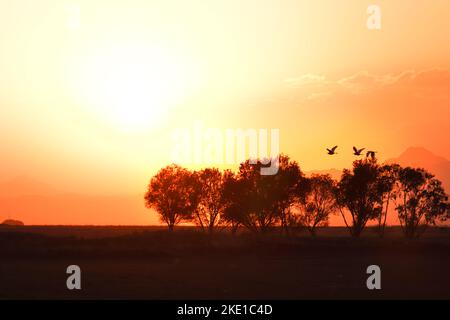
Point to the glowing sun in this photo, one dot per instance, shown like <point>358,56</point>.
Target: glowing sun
<point>132,87</point>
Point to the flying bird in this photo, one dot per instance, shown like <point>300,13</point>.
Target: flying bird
<point>371,154</point>
<point>332,151</point>
<point>358,152</point>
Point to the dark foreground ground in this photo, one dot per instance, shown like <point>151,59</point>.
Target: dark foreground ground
<point>150,263</point>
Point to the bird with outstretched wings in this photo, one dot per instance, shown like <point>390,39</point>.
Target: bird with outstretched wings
<point>358,152</point>
<point>332,150</point>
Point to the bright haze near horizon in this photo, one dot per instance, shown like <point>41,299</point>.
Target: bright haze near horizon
<point>91,92</point>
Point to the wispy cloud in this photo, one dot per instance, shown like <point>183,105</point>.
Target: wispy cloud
<point>362,82</point>
<point>304,80</point>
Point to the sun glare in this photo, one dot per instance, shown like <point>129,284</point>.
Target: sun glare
<point>132,88</point>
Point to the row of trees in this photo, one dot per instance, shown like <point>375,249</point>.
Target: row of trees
<point>213,198</point>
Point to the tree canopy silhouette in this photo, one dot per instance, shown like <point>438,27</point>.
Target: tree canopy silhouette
<point>319,202</point>
<point>260,201</point>
<point>361,193</point>
<point>211,197</point>
<point>211,205</point>
<point>388,177</point>
<point>174,192</point>
<point>422,200</point>
<point>248,197</point>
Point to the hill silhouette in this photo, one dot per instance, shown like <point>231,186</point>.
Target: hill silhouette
<point>11,222</point>
<point>423,158</point>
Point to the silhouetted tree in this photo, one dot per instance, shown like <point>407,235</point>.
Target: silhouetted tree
<point>388,178</point>
<point>174,193</point>
<point>289,187</point>
<point>360,193</point>
<point>319,202</point>
<point>233,194</point>
<point>211,202</point>
<point>258,201</point>
<point>422,199</point>
<point>248,197</point>
<point>232,215</point>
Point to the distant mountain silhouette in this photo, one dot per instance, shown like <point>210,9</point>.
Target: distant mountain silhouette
<point>423,158</point>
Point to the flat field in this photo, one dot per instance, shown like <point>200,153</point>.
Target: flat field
<point>151,263</point>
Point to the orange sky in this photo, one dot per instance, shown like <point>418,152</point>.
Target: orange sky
<point>92,91</point>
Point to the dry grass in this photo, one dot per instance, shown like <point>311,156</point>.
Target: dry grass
<point>151,263</point>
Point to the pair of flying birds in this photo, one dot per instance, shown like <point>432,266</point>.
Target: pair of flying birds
<point>356,152</point>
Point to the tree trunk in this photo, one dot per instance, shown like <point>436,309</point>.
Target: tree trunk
<point>357,230</point>
<point>385,215</point>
